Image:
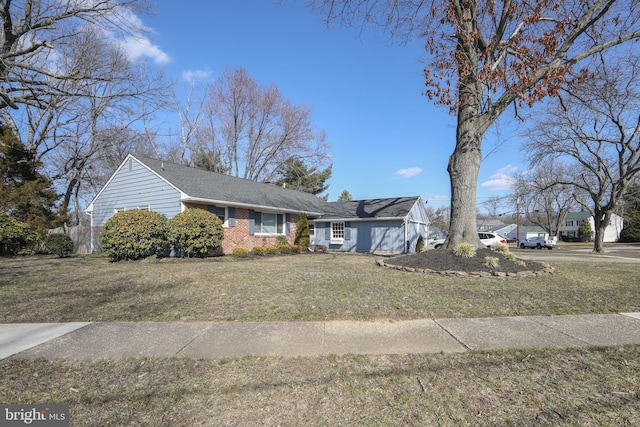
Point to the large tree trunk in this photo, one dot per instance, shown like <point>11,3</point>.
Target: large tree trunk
<point>464,165</point>
<point>600,223</point>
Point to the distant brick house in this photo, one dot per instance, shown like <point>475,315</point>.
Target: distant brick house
<point>254,213</point>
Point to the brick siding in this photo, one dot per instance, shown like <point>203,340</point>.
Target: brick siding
<point>239,237</point>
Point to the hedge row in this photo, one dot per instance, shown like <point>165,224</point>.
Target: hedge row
<point>136,234</point>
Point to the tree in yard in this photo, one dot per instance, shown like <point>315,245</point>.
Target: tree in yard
<point>88,121</point>
<point>34,30</point>
<point>295,174</point>
<point>595,126</point>
<point>345,195</point>
<point>252,131</point>
<point>486,56</point>
<point>542,196</point>
<point>26,195</point>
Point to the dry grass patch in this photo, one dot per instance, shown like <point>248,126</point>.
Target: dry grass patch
<point>572,387</point>
<point>294,287</point>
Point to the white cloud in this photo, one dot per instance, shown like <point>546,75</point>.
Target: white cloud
<point>195,75</point>
<point>438,199</point>
<point>502,179</point>
<point>140,46</point>
<point>409,172</point>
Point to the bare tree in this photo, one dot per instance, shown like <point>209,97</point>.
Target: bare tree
<point>543,198</point>
<point>486,56</point>
<point>34,31</point>
<point>596,126</point>
<point>77,136</point>
<point>252,130</point>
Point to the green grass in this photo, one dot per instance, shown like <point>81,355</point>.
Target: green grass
<point>300,287</point>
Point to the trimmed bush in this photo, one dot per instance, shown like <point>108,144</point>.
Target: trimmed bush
<point>240,252</point>
<point>259,250</point>
<point>59,244</point>
<point>195,232</point>
<point>273,250</point>
<point>135,234</point>
<point>285,249</point>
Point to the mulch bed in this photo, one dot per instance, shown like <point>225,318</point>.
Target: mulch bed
<point>444,261</point>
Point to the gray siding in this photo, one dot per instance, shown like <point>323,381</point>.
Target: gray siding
<point>364,236</point>
<point>130,189</point>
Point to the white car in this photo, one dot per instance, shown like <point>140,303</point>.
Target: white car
<point>487,239</point>
<point>490,239</point>
<point>437,243</point>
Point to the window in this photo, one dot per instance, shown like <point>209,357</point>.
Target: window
<point>569,223</point>
<point>269,223</point>
<point>218,211</point>
<point>312,230</point>
<point>337,232</point>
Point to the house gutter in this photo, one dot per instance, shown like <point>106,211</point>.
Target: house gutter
<point>247,205</point>
<point>356,219</point>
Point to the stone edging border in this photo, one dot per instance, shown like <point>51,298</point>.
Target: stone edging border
<point>450,273</point>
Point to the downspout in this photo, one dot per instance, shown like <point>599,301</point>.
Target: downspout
<point>406,236</point>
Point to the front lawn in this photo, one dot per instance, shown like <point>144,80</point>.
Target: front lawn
<point>295,287</point>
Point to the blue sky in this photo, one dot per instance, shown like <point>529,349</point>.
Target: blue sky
<point>386,138</point>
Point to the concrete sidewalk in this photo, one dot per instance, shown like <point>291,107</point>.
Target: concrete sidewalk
<point>114,340</point>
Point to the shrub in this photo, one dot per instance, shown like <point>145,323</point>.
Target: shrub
<point>240,252</point>
<point>510,256</point>
<point>501,248</point>
<point>285,249</point>
<point>420,245</point>
<point>466,250</point>
<point>491,261</point>
<point>259,250</point>
<point>273,250</point>
<point>585,232</point>
<point>15,236</point>
<point>195,232</point>
<point>59,244</point>
<point>135,234</point>
<point>302,234</point>
<point>281,241</point>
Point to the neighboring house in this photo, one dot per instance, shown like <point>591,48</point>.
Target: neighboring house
<point>491,225</point>
<point>526,232</point>
<point>381,226</point>
<point>253,213</point>
<point>569,230</point>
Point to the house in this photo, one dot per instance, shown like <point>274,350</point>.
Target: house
<point>569,230</point>
<point>381,226</point>
<point>252,213</point>
<point>526,232</point>
<point>488,224</point>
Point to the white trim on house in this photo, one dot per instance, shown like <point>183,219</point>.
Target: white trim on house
<point>186,199</point>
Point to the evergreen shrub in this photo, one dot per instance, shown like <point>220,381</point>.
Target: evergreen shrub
<point>195,232</point>
<point>259,250</point>
<point>59,244</point>
<point>240,252</point>
<point>135,234</point>
<point>303,233</point>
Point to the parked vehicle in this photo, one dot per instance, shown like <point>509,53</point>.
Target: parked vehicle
<point>487,239</point>
<point>539,242</point>
<point>490,239</point>
<point>437,243</point>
